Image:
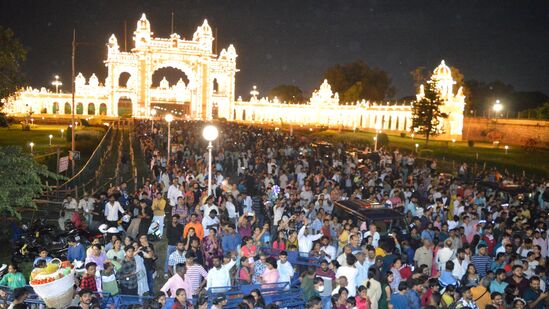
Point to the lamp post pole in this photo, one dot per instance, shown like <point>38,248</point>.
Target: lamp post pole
<point>169,119</point>
<point>210,133</point>
<point>73,89</point>
<point>210,147</point>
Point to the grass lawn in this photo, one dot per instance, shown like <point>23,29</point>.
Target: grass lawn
<point>516,159</point>
<point>87,139</point>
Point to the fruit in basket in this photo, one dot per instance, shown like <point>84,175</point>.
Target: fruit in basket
<point>65,264</point>
<point>50,269</point>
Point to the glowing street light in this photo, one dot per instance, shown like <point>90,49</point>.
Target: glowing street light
<point>50,136</point>
<point>378,130</point>
<point>498,107</point>
<point>62,131</point>
<point>31,144</point>
<point>210,133</point>
<point>506,149</point>
<point>169,119</point>
<point>417,146</point>
<point>254,93</point>
<point>57,83</point>
<point>32,121</point>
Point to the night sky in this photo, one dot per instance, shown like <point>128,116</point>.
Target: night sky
<point>293,42</point>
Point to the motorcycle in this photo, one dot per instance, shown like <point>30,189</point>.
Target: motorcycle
<point>84,236</point>
<point>39,235</point>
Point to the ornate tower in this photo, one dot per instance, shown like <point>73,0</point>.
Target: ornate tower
<point>454,104</point>
<point>142,34</point>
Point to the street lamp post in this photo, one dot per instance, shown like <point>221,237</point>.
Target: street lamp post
<point>417,145</point>
<point>153,113</point>
<point>57,83</point>
<point>506,149</point>
<point>169,119</point>
<point>31,144</point>
<point>62,131</point>
<point>210,133</point>
<point>50,136</point>
<point>378,130</point>
<point>498,107</point>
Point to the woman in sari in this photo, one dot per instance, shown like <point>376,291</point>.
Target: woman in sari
<point>211,246</point>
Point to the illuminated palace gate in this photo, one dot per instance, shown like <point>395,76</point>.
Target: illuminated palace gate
<point>205,88</point>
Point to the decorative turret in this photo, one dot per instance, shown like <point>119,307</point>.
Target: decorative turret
<point>164,84</point>
<point>203,35</point>
<point>231,53</point>
<point>94,81</point>
<point>442,75</point>
<point>324,95</point>
<point>142,34</point>
<point>453,104</point>
<point>112,46</point>
<point>79,81</point>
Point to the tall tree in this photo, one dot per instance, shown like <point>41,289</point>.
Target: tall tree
<point>357,81</point>
<point>287,93</point>
<point>12,56</point>
<point>426,112</point>
<point>22,180</point>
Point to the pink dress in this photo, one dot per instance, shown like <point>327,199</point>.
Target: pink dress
<point>270,275</point>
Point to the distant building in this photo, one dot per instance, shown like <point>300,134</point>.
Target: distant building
<point>210,90</point>
<point>324,108</point>
<point>210,87</point>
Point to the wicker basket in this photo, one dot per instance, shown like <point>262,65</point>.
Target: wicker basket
<point>57,294</point>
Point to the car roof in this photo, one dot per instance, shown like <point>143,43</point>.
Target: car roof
<point>359,209</point>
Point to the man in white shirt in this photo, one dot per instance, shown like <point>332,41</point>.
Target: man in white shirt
<point>174,192</point>
<point>444,255</point>
<point>247,203</point>
<point>305,241</point>
<point>218,276</point>
<point>86,204</point>
<point>349,272</point>
<point>112,210</point>
<point>375,235</point>
<point>285,269</point>
<point>209,206</point>
<point>328,250</point>
<point>210,221</point>
<point>460,264</point>
<point>69,205</point>
<point>306,195</point>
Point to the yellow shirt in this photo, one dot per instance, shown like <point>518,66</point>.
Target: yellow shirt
<point>343,239</point>
<point>380,252</point>
<point>158,207</point>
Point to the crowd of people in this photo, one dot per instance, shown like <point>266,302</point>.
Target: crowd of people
<point>471,241</point>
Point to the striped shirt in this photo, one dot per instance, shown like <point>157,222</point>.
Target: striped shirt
<point>482,264</point>
<point>195,274</point>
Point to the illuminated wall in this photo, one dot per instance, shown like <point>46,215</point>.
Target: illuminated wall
<point>193,57</point>
<point>325,109</point>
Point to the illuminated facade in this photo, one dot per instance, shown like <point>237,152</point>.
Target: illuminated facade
<point>210,87</point>
<point>324,109</point>
<point>210,90</point>
<point>454,104</point>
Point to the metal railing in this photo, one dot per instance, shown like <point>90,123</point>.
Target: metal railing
<point>88,173</point>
